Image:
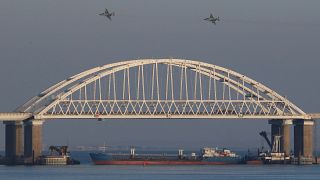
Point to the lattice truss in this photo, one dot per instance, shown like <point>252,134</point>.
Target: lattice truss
<point>160,88</point>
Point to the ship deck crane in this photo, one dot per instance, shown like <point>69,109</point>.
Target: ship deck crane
<point>264,135</point>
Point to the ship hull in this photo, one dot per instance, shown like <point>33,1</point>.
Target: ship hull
<point>254,162</point>
<point>105,159</point>
<point>144,163</point>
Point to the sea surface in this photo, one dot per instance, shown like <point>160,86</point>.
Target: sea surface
<point>88,171</point>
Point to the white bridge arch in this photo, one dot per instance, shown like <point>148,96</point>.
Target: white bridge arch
<point>160,88</point>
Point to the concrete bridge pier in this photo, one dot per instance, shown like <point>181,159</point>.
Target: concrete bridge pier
<point>32,141</point>
<point>281,128</point>
<point>303,138</point>
<point>13,142</point>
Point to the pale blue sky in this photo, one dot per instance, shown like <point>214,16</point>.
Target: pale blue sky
<point>275,42</point>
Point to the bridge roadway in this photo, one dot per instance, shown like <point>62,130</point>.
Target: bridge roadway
<point>19,116</point>
<point>14,116</point>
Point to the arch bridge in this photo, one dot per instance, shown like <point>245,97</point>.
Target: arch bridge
<point>155,88</point>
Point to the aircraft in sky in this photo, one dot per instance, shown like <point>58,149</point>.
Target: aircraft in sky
<point>212,19</point>
<point>107,14</point>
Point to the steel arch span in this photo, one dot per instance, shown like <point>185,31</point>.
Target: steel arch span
<point>160,88</point>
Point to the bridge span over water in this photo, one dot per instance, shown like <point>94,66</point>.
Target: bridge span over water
<point>156,88</point>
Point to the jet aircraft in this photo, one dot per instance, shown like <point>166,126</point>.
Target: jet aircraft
<point>107,14</point>
<point>212,19</point>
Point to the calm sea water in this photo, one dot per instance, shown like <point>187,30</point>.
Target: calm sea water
<point>88,171</point>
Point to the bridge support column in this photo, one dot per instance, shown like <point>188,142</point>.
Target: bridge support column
<point>13,142</point>
<point>281,128</point>
<point>303,139</point>
<point>32,141</point>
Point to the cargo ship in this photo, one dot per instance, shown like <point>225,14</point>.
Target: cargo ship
<point>207,156</point>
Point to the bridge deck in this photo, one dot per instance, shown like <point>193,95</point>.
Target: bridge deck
<point>314,115</point>
<point>14,116</point>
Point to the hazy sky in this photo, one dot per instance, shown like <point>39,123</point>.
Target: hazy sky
<point>275,42</point>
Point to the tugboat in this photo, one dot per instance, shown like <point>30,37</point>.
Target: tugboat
<point>59,155</point>
<point>207,156</point>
